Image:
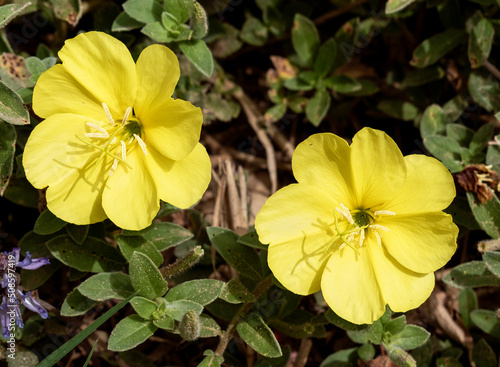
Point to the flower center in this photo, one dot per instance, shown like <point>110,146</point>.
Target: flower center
<point>118,137</point>
<point>359,221</point>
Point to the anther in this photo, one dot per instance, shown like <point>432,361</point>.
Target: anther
<point>113,140</point>
<point>124,150</point>
<point>379,241</point>
<point>102,134</point>
<point>378,226</point>
<point>361,237</point>
<point>113,167</point>
<point>108,114</point>
<point>127,114</point>
<point>383,212</point>
<point>141,144</point>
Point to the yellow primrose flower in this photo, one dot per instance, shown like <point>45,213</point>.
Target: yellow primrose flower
<point>363,224</point>
<point>114,142</point>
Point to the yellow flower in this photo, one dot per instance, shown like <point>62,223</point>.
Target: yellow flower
<point>114,142</point>
<point>363,224</point>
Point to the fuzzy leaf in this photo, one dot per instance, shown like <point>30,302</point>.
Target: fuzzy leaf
<point>202,291</point>
<point>104,286</point>
<point>305,38</point>
<point>12,108</point>
<point>130,332</point>
<point>435,47</point>
<point>254,331</point>
<point>76,304</point>
<point>146,277</point>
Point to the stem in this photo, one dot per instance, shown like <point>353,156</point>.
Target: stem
<point>261,288</point>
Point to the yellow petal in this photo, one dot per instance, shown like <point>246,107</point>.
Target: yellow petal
<point>401,288</point>
<point>429,187</point>
<point>422,243</point>
<point>53,150</point>
<point>378,168</point>
<point>350,287</point>
<point>103,66</point>
<point>173,128</point>
<point>130,198</point>
<point>323,160</point>
<point>56,91</point>
<point>293,211</point>
<point>297,222</point>
<point>77,200</point>
<point>157,75</point>
<point>181,183</point>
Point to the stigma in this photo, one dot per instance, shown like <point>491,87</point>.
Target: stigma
<point>115,137</point>
<point>360,220</point>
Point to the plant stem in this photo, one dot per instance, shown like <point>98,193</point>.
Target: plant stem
<point>226,337</point>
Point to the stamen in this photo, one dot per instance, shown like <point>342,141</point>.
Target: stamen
<point>108,114</point>
<point>97,127</point>
<point>345,212</point>
<point>361,237</point>
<point>124,150</point>
<point>379,241</point>
<point>113,167</point>
<point>127,114</point>
<point>378,226</point>
<point>113,140</point>
<point>131,140</point>
<point>342,246</point>
<point>384,212</point>
<point>141,144</point>
<point>96,135</point>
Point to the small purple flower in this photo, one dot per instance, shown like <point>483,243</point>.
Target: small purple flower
<point>28,263</point>
<point>32,304</point>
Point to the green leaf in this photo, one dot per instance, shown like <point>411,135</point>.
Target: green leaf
<point>401,358</point>
<point>7,151</point>
<point>202,291</point>
<point>177,309</point>
<point>467,302</point>
<point>488,321</point>
<point>318,106</point>
<point>254,331</point>
<point>393,6</point>
<point>146,277</point>
<point>275,113</point>
<point>33,279</point>
<point>199,21</point>
<point>411,337</point>
<point>77,233</point>
<point>300,324</point>
<point>211,359</point>
<point>444,149</point>
<point>180,9</point>
<point>124,22</point>
<point>48,223</point>
<point>481,138</point>
<point>199,54</point>
<point>12,108</point>
<point>67,10</point>
<point>245,260</point>
<point>343,84</point>
<point>60,352</point>
<point>297,84</point>
<point>485,91</point>
<point>251,239</point>
<point>130,332</point>
<point>396,325</point>
<point>209,327</point>
<point>130,244</point>
<point>419,77</point>
<point>9,12</point>
<point>305,39</point>
<point>166,322</point>
<point>235,292</point>
<point>460,133</point>
<point>480,42</point>
<point>35,66</point>
<point>144,307</point>
<point>492,157</point>
<point>471,274</point>
<point>76,304</point>
<point>483,355</point>
<point>492,261</point>
<point>93,255</point>
<point>157,32</point>
<point>144,11</point>
<point>165,235</point>
<point>323,62</point>
<point>433,121</point>
<point>342,358</point>
<point>254,32</point>
<point>400,110</point>
<point>104,286</point>
<point>432,49</point>
<point>336,320</point>
<point>487,214</point>
<point>375,332</point>
<point>366,352</point>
